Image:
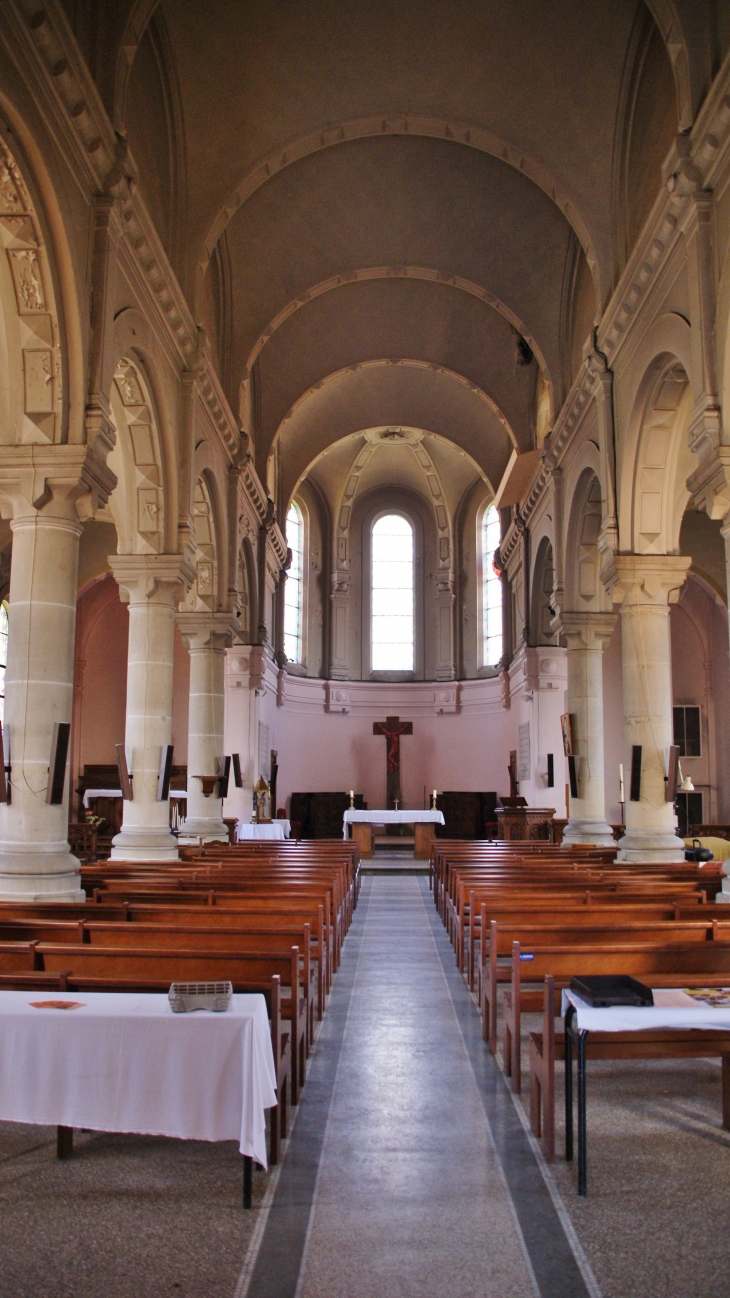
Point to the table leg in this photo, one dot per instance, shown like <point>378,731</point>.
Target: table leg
<point>726,1092</point>
<point>64,1142</point>
<point>582,1124</point>
<point>568,1085</point>
<point>423,834</point>
<point>362,832</point>
<point>247,1180</point>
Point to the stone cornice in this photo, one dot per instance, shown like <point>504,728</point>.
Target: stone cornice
<point>212,393</point>
<point>694,163</point>
<point>102,161</point>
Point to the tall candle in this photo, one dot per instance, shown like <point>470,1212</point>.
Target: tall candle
<point>621,782</point>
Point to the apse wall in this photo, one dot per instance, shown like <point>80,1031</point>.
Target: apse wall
<point>324,736</point>
<point>462,732</point>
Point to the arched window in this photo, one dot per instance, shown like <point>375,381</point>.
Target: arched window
<point>294,588</point>
<point>3,656</point>
<point>491,591</point>
<point>392,595</point>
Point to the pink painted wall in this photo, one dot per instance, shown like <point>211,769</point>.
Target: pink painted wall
<point>102,631</point>
<point>320,750</point>
<point>101,674</point>
<point>332,752</point>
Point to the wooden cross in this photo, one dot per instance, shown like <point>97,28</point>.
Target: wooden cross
<point>392,728</point>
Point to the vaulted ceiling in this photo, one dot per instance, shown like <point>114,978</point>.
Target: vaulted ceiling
<point>405,214</point>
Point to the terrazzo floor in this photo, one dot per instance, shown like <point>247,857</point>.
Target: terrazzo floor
<point>409,1171</point>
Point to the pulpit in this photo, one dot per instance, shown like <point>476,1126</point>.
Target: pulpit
<point>516,821</point>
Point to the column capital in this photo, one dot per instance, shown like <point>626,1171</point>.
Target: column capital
<point>142,577</point>
<point>647,579</point>
<point>68,482</point>
<point>201,630</point>
<point>586,630</point>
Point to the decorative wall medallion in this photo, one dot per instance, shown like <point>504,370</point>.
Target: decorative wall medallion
<point>38,367</point>
<point>27,280</point>
<point>147,510</point>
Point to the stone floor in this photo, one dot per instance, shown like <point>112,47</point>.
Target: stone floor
<point>410,1169</point>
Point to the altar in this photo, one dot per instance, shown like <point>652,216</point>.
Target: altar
<point>362,827</point>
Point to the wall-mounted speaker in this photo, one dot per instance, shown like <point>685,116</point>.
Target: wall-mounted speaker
<point>163,779</point>
<point>237,771</point>
<point>224,778</point>
<point>635,785</point>
<point>670,790</point>
<point>550,771</point>
<point>57,765</point>
<point>4,784</point>
<point>125,779</point>
<point>573,776</point>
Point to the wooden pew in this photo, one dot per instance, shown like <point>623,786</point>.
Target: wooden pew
<point>547,1046</point>
<point>161,966</point>
<point>640,959</point>
<point>64,981</point>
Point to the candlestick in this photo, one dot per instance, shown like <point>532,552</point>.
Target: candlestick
<point>433,800</point>
<point>352,798</point>
<point>621,782</point>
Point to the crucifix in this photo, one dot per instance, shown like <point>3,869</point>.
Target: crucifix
<point>393,728</point>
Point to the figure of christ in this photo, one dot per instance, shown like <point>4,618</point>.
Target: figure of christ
<point>392,728</point>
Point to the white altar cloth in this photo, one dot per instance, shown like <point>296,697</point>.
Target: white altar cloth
<point>353,816</point>
<point>672,1008</point>
<point>125,1062</point>
<point>117,793</point>
<point>278,829</point>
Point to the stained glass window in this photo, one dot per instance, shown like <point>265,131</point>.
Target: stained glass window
<point>491,590</point>
<point>392,594</point>
<point>293,590</point>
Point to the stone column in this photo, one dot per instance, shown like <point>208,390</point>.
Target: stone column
<point>645,586</point>
<point>151,584</point>
<point>207,635</point>
<point>46,491</point>
<point>586,636</point>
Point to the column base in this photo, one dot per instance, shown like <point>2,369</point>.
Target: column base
<point>32,874</point>
<point>650,847</point>
<point>584,829</point>
<point>144,843</point>
<point>199,827</point>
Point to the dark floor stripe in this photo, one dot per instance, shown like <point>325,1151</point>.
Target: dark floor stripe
<point>275,1272</point>
<point>553,1260</point>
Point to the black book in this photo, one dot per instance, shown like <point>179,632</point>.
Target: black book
<point>604,990</point>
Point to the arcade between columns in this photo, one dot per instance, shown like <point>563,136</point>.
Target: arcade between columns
<point>151,585</point>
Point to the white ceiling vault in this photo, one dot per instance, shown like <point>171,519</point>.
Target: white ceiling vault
<point>403,214</point>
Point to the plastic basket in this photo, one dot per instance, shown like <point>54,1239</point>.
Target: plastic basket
<point>186,997</point>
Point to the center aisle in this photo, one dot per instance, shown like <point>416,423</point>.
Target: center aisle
<point>408,1171</point>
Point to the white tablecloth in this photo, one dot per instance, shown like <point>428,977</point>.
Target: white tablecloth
<point>125,1062</point>
<point>353,816</point>
<point>672,1008</point>
<point>278,829</point>
<point>117,793</point>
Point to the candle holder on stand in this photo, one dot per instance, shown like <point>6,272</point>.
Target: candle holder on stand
<point>434,795</point>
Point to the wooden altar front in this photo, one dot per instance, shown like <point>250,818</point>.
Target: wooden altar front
<point>515,823</point>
